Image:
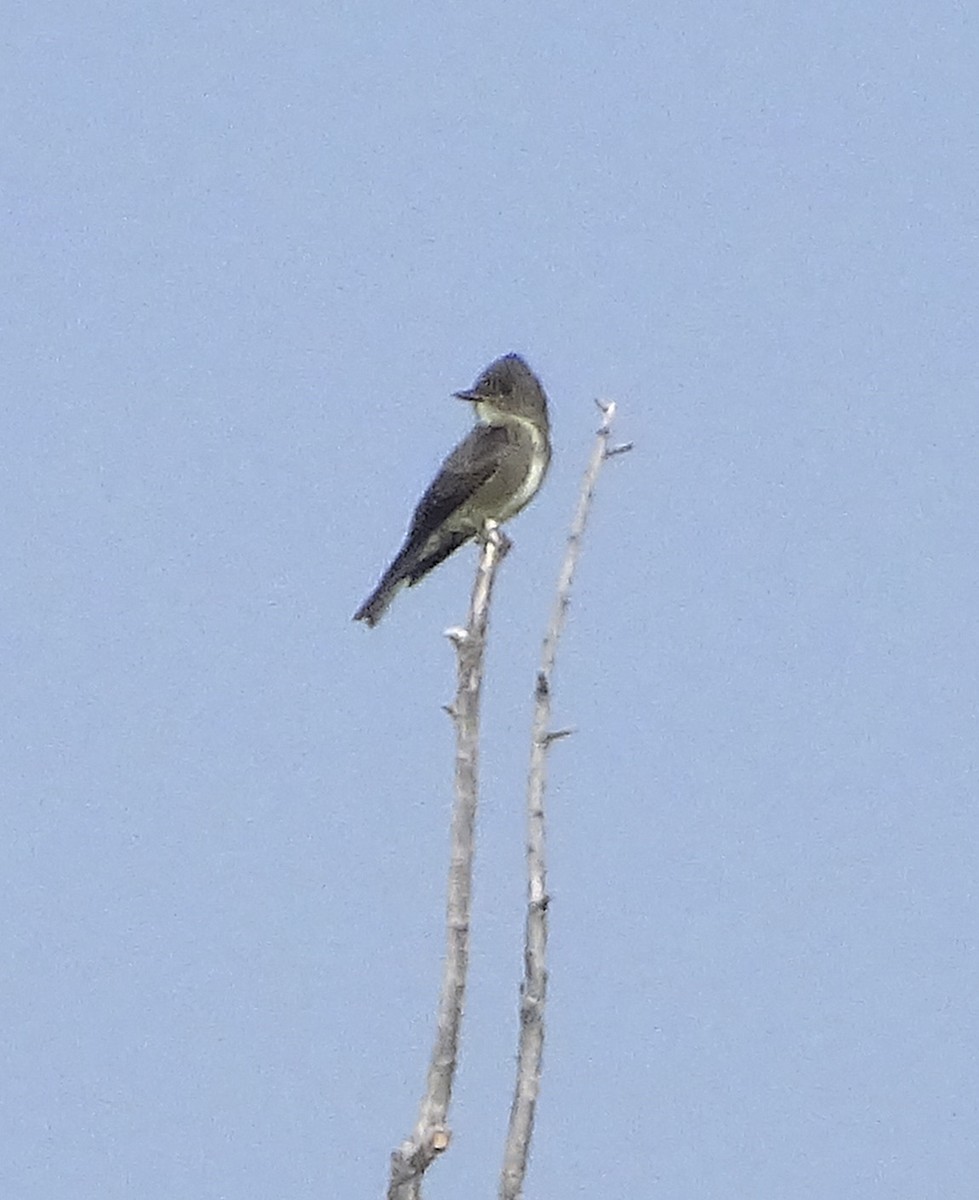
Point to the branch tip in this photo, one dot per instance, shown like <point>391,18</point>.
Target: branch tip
<point>556,735</point>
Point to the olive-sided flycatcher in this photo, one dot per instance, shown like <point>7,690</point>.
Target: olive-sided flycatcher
<point>489,476</point>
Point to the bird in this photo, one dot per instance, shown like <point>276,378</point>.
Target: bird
<point>494,472</point>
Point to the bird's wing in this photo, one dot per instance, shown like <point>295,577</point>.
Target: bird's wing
<point>466,469</point>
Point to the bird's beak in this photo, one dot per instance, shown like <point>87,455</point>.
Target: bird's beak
<point>472,397</point>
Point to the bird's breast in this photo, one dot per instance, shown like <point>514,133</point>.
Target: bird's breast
<point>536,452</point>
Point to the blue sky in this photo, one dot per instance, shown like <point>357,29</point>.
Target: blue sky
<point>250,252</point>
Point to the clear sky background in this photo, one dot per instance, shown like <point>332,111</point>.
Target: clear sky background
<point>249,252</point>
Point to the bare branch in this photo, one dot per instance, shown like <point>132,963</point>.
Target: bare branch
<point>431,1135</point>
<point>557,734</point>
<point>533,990</point>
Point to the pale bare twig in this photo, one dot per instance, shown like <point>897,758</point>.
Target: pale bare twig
<point>431,1134</point>
<point>533,989</point>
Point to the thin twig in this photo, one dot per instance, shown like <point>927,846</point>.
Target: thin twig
<point>533,990</point>
<point>431,1134</point>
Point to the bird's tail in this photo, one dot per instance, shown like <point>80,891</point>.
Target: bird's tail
<point>377,603</point>
<point>412,564</point>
